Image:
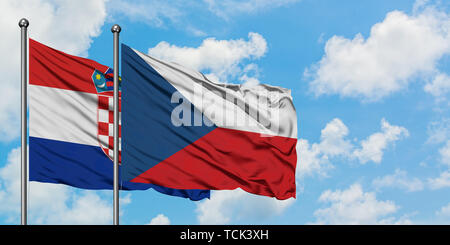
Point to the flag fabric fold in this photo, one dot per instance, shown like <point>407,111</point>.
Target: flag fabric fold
<point>181,130</point>
<point>70,123</point>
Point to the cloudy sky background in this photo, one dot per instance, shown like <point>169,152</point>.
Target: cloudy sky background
<point>370,82</point>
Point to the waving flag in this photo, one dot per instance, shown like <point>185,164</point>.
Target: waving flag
<point>71,123</point>
<point>182,130</point>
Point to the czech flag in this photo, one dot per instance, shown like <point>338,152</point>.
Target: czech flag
<point>183,131</point>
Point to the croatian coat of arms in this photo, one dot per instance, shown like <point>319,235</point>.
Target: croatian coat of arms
<point>105,111</point>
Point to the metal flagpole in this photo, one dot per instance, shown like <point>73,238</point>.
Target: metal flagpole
<point>116,30</point>
<point>23,23</point>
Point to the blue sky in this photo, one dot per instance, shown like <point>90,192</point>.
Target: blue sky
<point>370,82</point>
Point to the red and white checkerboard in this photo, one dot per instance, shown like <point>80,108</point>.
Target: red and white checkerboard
<point>105,120</point>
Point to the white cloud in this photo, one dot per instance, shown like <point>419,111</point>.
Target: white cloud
<point>445,153</point>
<point>160,219</point>
<point>222,58</point>
<point>354,206</point>
<point>439,131</point>
<point>124,199</point>
<point>225,207</point>
<point>178,13</point>
<point>194,31</point>
<point>372,148</point>
<point>311,160</point>
<point>440,182</point>
<point>332,138</point>
<point>443,180</point>
<point>87,208</point>
<point>50,203</point>
<point>316,158</point>
<point>65,25</point>
<point>399,180</point>
<point>151,12</point>
<point>419,5</point>
<point>402,220</point>
<point>444,211</point>
<point>439,86</point>
<point>385,62</point>
<point>227,8</point>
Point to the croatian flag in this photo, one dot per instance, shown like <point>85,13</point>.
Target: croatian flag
<point>71,123</point>
<point>181,130</point>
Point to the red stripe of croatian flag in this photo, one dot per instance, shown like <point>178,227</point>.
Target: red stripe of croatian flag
<point>182,130</point>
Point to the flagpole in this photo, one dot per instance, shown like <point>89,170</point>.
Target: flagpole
<point>116,30</point>
<point>23,24</point>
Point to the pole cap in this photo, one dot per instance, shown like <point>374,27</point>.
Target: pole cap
<point>116,28</point>
<point>24,23</point>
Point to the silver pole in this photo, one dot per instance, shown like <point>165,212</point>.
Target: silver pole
<point>23,23</point>
<point>116,30</point>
